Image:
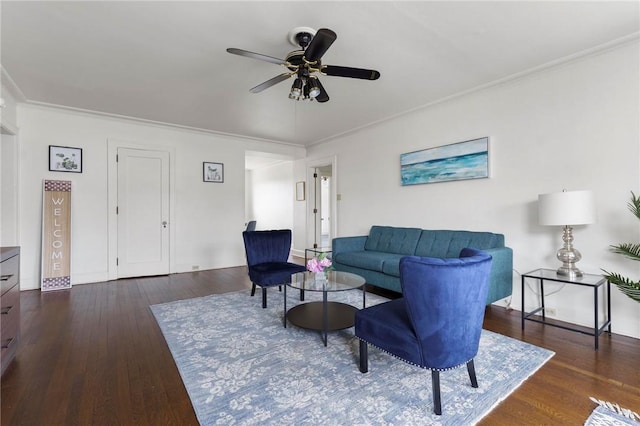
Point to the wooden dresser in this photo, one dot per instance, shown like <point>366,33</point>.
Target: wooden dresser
<point>9,304</point>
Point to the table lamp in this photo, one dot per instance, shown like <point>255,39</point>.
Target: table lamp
<point>565,209</point>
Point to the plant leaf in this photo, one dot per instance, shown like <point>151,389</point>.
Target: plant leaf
<point>624,284</point>
<point>632,251</point>
<point>634,205</point>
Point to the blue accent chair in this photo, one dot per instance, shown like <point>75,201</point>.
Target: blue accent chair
<point>267,259</point>
<point>437,323</point>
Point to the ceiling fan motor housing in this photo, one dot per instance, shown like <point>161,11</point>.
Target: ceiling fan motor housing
<point>297,62</point>
<point>304,39</point>
<point>301,33</point>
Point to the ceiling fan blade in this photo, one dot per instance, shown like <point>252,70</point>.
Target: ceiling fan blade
<point>323,96</point>
<point>361,73</point>
<point>271,82</point>
<point>323,39</point>
<point>258,56</point>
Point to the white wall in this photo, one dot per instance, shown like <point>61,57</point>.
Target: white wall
<point>209,218</point>
<point>575,126</point>
<point>249,213</point>
<point>273,195</point>
<point>300,210</point>
<point>9,140</point>
<point>9,218</point>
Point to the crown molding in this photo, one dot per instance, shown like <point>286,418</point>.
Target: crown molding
<point>590,52</point>
<point>198,130</point>
<point>9,84</point>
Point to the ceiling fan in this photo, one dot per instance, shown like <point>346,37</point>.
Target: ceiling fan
<point>305,63</point>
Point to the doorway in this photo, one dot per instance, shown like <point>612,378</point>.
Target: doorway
<point>268,190</point>
<point>322,206</point>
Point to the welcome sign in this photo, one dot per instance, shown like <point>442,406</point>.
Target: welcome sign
<point>56,235</point>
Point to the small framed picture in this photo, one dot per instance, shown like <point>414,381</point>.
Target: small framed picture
<point>65,159</point>
<point>213,172</point>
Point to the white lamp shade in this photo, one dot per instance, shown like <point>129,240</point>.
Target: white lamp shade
<point>566,208</point>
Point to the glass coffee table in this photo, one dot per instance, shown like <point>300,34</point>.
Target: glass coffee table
<point>323,315</point>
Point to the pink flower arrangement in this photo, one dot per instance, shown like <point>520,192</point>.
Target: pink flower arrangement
<point>318,264</point>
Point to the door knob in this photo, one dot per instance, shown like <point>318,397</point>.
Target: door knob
<point>164,223</point>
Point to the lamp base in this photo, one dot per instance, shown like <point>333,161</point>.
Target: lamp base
<point>568,255</point>
<point>569,271</point>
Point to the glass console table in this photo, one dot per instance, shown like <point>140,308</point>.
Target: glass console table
<point>594,282</point>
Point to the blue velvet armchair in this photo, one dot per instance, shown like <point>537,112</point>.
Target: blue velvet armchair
<point>436,325</point>
<point>267,259</point>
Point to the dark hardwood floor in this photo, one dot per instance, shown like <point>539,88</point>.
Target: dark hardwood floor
<point>94,355</point>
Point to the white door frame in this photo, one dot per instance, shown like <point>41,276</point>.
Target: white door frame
<point>312,164</point>
<point>112,188</point>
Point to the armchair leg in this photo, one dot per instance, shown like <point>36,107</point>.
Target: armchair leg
<point>472,374</point>
<point>435,384</point>
<point>364,357</point>
<point>253,289</point>
<point>264,297</point>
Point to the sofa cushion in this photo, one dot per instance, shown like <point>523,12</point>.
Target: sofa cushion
<point>389,239</point>
<point>391,264</point>
<point>447,244</point>
<point>366,259</point>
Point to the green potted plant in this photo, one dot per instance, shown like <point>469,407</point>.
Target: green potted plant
<point>632,251</point>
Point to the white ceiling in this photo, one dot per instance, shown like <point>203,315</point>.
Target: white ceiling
<point>166,61</point>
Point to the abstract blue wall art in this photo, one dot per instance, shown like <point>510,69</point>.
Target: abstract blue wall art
<point>458,161</point>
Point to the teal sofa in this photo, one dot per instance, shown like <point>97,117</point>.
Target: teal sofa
<point>376,256</point>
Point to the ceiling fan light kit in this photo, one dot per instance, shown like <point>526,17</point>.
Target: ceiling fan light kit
<point>312,84</point>
<point>296,88</point>
<point>306,61</point>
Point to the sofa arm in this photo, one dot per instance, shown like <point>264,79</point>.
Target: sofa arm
<point>501,278</point>
<point>347,244</point>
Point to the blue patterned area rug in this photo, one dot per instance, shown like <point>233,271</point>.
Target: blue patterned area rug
<point>240,366</point>
<point>611,414</point>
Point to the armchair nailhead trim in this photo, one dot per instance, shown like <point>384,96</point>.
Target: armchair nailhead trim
<point>413,363</point>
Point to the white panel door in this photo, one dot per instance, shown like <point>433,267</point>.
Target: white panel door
<point>143,212</point>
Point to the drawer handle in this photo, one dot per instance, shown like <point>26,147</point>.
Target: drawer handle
<point>7,343</point>
<point>6,310</point>
<point>5,277</point>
